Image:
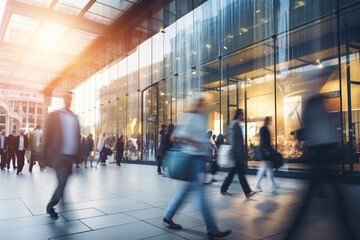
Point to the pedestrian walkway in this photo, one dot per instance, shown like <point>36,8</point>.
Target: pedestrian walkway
<point>128,202</point>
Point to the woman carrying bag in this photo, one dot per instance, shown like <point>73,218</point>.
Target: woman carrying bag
<point>266,163</point>
<point>191,132</point>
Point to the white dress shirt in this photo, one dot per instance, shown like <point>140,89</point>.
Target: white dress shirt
<point>69,133</point>
<point>21,143</point>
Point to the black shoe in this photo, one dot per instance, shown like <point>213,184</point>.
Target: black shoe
<point>219,234</point>
<point>15,167</point>
<point>52,213</point>
<point>17,173</point>
<point>172,224</point>
<point>226,193</point>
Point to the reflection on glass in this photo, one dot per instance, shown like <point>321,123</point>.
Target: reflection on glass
<point>101,13</point>
<point>70,6</point>
<point>76,41</point>
<point>49,36</point>
<point>40,3</point>
<point>20,29</point>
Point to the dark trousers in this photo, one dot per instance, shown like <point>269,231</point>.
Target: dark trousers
<point>63,168</point>
<point>32,160</point>
<point>239,169</point>
<point>11,156</point>
<point>119,156</point>
<point>3,155</point>
<point>20,159</point>
<point>321,174</point>
<point>159,163</point>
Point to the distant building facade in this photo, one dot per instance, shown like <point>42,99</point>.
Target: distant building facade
<point>19,109</point>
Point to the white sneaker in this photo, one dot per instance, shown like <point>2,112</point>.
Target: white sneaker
<point>258,189</point>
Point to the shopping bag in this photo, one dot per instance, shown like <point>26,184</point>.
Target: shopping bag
<point>277,159</point>
<point>257,153</point>
<point>177,165</point>
<point>224,157</point>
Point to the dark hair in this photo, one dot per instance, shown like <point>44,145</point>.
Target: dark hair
<point>163,126</point>
<point>267,119</point>
<point>238,113</point>
<point>171,127</point>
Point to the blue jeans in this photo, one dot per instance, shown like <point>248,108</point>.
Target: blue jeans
<point>197,186</point>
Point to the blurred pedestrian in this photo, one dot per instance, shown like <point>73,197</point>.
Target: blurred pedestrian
<point>62,142</point>
<point>119,148</point>
<point>11,143</point>
<point>192,134</point>
<point>88,148</point>
<point>320,137</point>
<point>266,164</point>
<point>102,149</point>
<point>237,152</point>
<point>160,155</point>
<point>36,143</point>
<point>3,149</point>
<point>21,143</point>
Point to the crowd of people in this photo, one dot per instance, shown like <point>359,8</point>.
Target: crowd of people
<point>62,145</point>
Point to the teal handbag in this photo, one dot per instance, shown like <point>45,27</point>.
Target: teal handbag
<point>178,165</point>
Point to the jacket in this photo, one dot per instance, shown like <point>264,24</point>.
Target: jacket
<point>53,137</point>
<point>236,141</point>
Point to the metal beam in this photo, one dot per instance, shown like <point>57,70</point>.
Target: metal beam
<point>46,14</point>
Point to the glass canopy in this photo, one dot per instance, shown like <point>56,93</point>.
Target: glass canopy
<point>41,39</point>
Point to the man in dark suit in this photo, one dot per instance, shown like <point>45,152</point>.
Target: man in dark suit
<point>236,140</point>
<point>62,147</point>
<point>11,143</point>
<point>3,150</point>
<point>21,143</point>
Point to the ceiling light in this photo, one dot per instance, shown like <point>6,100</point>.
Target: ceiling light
<point>225,47</point>
<point>244,29</point>
<point>207,45</point>
<point>257,11</point>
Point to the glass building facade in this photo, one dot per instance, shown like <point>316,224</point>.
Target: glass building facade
<point>266,56</point>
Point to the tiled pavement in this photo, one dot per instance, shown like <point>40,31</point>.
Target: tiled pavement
<point>128,202</point>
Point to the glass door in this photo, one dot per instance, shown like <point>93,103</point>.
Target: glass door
<point>149,122</point>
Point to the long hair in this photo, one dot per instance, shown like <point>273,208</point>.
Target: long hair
<point>238,113</point>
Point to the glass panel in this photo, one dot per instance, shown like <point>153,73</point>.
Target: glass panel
<point>169,50</point>
<point>344,3</point>
<point>294,13</point>
<point>98,18</point>
<point>350,75</point>
<point>76,42</point>
<point>158,57</point>
<point>206,32</point>
<point>145,64</point>
<point>208,78</point>
<point>103,10</point>
<point>150,116</point>
<point>49,36</point>
<point>118,4</point>
<point>40,3</point>
<point>31,59</point>
<point>54,63</point>
<point>70,6</point>
<point>307,65</point>
<point>244,23</point>
<point>20,29</point>
<point>184,43</point>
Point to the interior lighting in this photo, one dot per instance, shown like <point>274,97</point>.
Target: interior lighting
<point>230,36</point>
<point>207,45</point>
<point>225,47</point>
<point>257,11</point>
<point>319,66</point>
<point>166,102</point>
<point>173,99</point>
<point>249,79</point>
<point>244,30</point>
